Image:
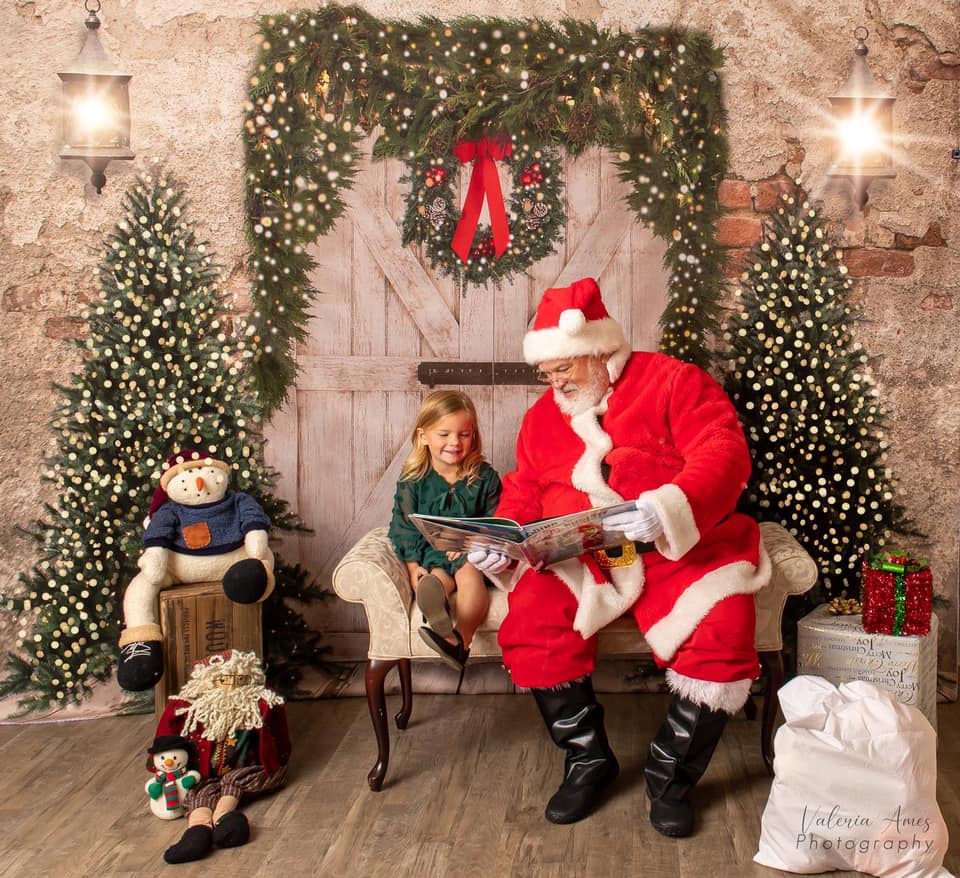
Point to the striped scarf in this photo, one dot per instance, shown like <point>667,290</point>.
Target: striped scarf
<point>171,793</point>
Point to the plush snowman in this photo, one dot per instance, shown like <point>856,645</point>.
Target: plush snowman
<point>198,531</point>
<point>171,775</point>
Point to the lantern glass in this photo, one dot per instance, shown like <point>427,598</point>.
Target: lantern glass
<point>96,112</point>
<point>863,135</point>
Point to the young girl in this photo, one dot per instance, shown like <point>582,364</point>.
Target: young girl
<point>445,474</point>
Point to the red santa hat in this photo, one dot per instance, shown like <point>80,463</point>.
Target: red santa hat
<point>573,322</point>
<point>188,458</point>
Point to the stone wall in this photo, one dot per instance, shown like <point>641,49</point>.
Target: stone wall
<point>191,60</point>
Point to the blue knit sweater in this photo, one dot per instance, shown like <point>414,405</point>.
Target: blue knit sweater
<point>208,529</point>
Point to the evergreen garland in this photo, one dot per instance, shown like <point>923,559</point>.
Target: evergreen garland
<point>324,79</point>
<point>160,371</point>
<point>807,402</point>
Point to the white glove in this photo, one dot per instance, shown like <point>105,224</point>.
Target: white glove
<point>642,524</point>
<point>488,562</point>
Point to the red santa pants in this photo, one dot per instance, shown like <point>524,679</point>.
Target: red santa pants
<point>540,647</point>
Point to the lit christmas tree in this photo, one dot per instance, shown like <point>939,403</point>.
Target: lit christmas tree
<point>807,402</point>
<point>160,371</point>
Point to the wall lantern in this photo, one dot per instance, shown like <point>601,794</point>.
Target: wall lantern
<point>863,120</point>
<point>96,105</point>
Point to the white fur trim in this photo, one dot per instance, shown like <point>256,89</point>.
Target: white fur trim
<point>603,336</point>
<point>680,533</point>
<point>728,697</point>
<point>572,321</point>
<point>618,359</point>
<point>599,603</point>
<point>692,606</point>
<point>587,475</point>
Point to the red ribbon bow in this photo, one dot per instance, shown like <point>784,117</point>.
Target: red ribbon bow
<point>484,181</point>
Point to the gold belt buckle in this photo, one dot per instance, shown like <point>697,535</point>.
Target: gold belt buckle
<point>627,557</point>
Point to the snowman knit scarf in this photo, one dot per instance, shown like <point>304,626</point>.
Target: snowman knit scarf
<point>171,793</point>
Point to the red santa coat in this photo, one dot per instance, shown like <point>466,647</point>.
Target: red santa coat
<point>273,737</point>
<point>670,432</point>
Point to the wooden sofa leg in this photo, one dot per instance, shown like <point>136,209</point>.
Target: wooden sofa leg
<point>406,691</point>
<point>772,663</point>
<point>377,670</point>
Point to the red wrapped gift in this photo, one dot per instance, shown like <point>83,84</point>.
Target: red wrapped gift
<point>897,595</point>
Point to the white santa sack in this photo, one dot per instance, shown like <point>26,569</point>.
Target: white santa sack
<point>855,785</point>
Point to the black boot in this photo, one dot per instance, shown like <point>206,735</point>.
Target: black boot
<point>575,722</point>
<point>194,844</point>
<point>246,581</point>
<point>140,666</point>
<point>231,830</point>
<point>679,755</point>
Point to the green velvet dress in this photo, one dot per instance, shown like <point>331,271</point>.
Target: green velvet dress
<point>431,495</point>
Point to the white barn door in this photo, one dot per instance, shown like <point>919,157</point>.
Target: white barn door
<point>339,442</point>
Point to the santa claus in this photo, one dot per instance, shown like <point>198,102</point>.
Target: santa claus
<point>621,425</point>
<point>238,728</point>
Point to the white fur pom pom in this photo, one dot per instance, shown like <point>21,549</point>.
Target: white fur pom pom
<point>572,321</point>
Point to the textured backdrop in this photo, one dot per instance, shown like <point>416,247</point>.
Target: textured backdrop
<point>191,61</point>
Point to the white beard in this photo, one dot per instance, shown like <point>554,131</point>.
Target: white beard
<point>222,713</point>
<point>587,395</point>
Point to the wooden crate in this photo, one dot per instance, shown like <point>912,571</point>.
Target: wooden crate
<point>198,620</point>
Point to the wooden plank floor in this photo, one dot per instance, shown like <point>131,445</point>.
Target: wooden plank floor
<point>464,798</point>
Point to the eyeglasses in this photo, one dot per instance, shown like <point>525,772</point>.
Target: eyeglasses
<point>234,680</point>
<point>561,373</point>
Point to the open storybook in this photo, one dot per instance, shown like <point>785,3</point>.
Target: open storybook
<point>540,543</point>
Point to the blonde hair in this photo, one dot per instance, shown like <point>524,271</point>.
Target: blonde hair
<point>438,405</point>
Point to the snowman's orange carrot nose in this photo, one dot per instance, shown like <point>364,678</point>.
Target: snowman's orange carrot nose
<point>200,483</point>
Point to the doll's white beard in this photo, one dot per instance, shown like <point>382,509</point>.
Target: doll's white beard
<point>222,712</point>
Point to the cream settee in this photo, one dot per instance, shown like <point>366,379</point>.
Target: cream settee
<point>372,575</point>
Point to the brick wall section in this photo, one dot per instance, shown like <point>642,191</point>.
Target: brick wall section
<point>65,327</point>
<point>874,262</point>
<point>745,205</point>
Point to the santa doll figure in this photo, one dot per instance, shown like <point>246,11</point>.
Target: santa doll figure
<point>239,730</point>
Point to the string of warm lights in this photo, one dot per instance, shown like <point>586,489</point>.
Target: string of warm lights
<point>324,80</point>
<point>160,371</point>
<point>807,401</point>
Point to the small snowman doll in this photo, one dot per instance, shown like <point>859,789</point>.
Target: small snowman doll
<point>198,531</point>
<point>171,775</point>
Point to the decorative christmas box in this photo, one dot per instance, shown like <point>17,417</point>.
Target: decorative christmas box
<point>197,621</point>
<point>837,648</point>
<point>897,595</point>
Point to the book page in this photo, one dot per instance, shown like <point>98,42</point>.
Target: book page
<point>465,534</point>
<point>539,543</point>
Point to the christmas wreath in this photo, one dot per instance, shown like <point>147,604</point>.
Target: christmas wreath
<point>518,236</point>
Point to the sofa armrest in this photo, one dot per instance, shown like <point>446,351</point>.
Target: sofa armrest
<point>794,572</point>
<point>372,575</point>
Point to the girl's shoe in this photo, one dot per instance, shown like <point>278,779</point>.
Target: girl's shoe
<point>455,656</point>
<point>432,601</point>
